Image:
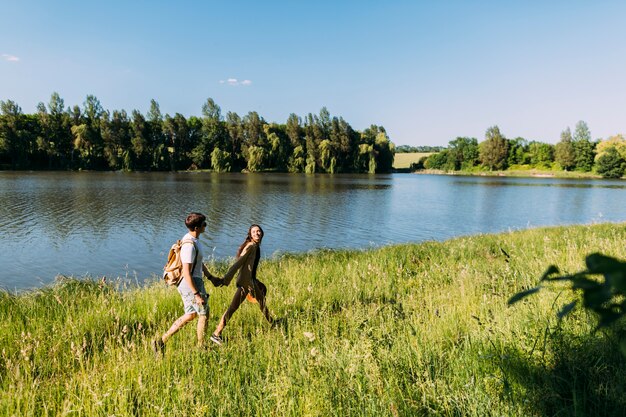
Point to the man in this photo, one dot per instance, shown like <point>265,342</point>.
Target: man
<point>191,288</point>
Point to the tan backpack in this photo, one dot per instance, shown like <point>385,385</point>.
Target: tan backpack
<point>173,269</point>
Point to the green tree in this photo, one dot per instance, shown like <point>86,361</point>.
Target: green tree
<point>13,135</point>
<point>347,139</point>
<point>437,160</point>
<point>156,137</point>
<point>176,134</point>
<point>256,158</point>
<point>494,150</point>
<point>279,147</point>
<point>384,153</point>
<point>139,142</point>
<point>564,153</point>
<point>116,137</point>
<point>618,142</point>
<point>88,135</point>
<point>611,164</point>
<point>214,133</point>
<point>55,139</point>
<point>220,160</point>
<point>253,133</point>
<point>541,154</point>
<point>518,153</point>
<point>583,147</point>
<point>327,151</point>
<point>297,161</point>
<point>462,154</point>
<point>294,130</point>
<point>367,158</point>
<point>234,125</point>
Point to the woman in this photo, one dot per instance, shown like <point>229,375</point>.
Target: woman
<point>247,262</point>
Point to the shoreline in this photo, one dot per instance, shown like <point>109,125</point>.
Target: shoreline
<point>517,174</point>
<point>223,263</point>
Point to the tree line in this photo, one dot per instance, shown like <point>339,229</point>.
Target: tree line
<point>92,138</point>
<point>573,152</point>
<point>418,149</point>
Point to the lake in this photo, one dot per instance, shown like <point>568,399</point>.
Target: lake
<point>122,224</point>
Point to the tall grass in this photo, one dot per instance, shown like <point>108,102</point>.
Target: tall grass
<point>417,329</point>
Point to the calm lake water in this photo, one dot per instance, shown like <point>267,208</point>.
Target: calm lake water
<point>122,224</point>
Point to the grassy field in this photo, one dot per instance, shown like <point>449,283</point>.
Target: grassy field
<point>404,160</point>
<point>415,330</point>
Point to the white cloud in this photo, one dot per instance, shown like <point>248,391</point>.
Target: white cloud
<point>235,82</point>
<point>10,58</point>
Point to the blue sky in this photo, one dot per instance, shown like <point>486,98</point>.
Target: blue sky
<point>428,71</point>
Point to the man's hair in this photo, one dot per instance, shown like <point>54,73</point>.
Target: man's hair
<point>194,220</point>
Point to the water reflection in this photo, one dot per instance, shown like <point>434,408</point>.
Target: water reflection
<point>542,182</point>
<point>120,224</point>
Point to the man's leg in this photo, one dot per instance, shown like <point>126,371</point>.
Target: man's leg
<point>201,329</point>
<point>178,324</point>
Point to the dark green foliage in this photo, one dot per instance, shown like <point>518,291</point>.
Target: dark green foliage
<point>494,150</point>
<point>518,152</point>
<point>541,154</point>
<point>437,160</point>
<point>611,164</point>
<point>418,149</point>
<point>462,153</point>
<point>97,139</point>
<point>564,152</point>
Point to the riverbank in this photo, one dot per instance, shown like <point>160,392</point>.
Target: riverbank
<point>419,329</point>
<point>522,173</point>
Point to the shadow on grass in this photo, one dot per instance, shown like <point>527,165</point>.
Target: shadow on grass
<point>582,377</point>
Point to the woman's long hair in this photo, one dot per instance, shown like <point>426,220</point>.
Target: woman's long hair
<point>258,251</point>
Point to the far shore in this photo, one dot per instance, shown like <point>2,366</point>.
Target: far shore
<point>532,173</point>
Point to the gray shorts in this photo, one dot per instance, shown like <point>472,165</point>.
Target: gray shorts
<point>189,302</point>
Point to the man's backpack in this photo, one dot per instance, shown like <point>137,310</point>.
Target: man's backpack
<point>173,269</point>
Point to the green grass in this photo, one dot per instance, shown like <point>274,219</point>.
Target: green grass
<point>419,329</point>
<point>404,160</point>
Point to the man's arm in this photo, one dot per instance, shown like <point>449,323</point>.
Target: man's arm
<point>189,280</point>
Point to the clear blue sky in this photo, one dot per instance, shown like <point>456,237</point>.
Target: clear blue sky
<point>428,71</point>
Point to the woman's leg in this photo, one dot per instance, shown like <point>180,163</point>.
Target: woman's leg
<point>238,298</point>
<point>263,307</point>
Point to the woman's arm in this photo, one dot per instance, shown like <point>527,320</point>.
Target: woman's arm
<point>247,252</point>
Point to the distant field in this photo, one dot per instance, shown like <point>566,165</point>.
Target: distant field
<point>404,160</point>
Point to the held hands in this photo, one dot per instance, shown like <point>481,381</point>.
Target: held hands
<point>216,281</point>
<point>199,299</point>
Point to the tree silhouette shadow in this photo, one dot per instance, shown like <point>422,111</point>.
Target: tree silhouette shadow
<point>584,376</point>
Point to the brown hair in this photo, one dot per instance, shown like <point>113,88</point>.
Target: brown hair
<point>249,238</point>
<point>194,220</point>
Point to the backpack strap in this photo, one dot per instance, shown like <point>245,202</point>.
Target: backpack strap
<point>195,259</point>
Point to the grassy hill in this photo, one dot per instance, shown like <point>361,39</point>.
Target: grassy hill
<point>404,160</point>
<point>416,329</point>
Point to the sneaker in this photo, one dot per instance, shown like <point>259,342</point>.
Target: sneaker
<point>216,339</point>
<point>158,347</point>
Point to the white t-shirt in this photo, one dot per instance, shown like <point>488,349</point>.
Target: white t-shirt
<point>188,253</point>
